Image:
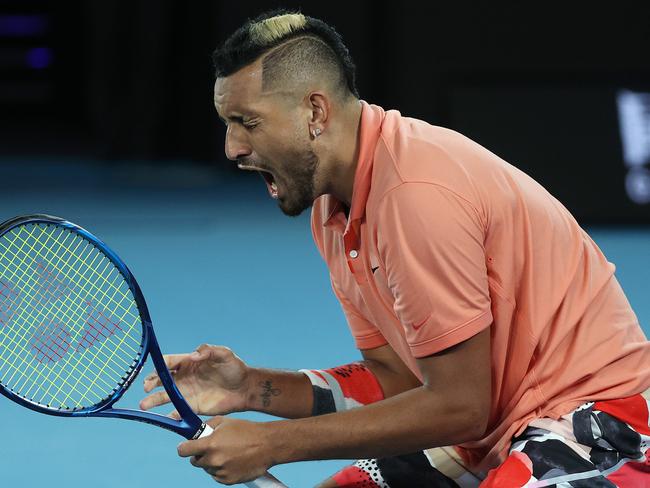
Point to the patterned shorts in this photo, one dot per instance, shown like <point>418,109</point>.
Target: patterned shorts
<point>599,444</point>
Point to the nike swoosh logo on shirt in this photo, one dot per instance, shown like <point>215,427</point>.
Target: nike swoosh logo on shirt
<point>374,269</point>
<point>417,326</point>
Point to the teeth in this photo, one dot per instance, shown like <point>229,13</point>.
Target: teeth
<point>274,187</point>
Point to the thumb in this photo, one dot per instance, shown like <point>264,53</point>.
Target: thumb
<point>219,354</point>
<point>202,352</point>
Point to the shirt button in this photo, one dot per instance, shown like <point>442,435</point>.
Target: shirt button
<point>354,253</point>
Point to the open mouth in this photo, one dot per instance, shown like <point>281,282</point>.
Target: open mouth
<point>271,185</point>
<point>268,178</point>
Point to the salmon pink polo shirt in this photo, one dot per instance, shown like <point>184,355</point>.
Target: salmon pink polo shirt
<point>444,239</point>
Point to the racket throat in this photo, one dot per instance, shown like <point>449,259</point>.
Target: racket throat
<point>186,429</point>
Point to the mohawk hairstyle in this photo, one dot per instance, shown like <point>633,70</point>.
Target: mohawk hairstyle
<point>294,46</point>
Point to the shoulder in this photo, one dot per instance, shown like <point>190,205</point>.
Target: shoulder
<point>422,151</point>
<point>415,154</point>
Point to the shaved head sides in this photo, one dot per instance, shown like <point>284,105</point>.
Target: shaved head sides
<point>296,50</point>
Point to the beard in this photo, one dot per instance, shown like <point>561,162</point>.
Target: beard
<point>300,185</point>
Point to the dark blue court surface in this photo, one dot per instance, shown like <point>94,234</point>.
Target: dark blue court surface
<point>218,263</point>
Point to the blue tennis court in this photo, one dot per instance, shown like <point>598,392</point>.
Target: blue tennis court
<point>218,263</point>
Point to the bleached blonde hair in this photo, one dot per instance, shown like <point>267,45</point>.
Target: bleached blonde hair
<point>293,47</point>
<point>268,31</point>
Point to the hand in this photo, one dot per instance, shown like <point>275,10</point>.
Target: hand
<point>237,450</point>
<point>213,380</point>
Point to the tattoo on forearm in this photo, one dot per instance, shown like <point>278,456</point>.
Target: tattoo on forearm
<point>268,392</point>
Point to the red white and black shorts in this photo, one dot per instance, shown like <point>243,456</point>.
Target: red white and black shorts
<point>599,444</point>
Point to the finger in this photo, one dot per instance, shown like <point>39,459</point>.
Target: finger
<point>216,474</point>
<point>219,479</point>
<point>215,422</point>
<point>173,361</point>
<point>174,415</point>
<point>211,469</point>
<point>195,461</point>
<point>222,478</point>
<point>214,353</point>
<point>192,448</point>
<point>154,400</point>
<point>151,376</point>
<point>151,382</point>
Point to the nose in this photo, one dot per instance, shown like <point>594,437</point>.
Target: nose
<point>236,145</point>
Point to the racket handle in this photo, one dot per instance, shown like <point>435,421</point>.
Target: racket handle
<point>265,481</point>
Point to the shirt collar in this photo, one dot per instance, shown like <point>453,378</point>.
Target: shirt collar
<point>372,117</point>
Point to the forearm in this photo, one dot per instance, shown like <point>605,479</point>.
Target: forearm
<point>286,394</point>
<point>290,394</point>
<point>451,408</point>
<point>415,420</point>
<point>392,382</point>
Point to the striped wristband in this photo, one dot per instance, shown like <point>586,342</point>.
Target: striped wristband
<point>343,388</point>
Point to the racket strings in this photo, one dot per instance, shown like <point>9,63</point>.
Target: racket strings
<point>53,286</point>
<point>40,301</point>
<point>8,298</point>
<point>100,327</point>
<point>51,343</point>
<point>69,317</point>
<point>70,330</point>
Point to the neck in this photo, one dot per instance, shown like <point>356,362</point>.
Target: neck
<point>345,153</point>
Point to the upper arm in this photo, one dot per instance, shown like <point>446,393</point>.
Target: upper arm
<point>391,372</point>
<point>431,242</point>
<point>463,374</point>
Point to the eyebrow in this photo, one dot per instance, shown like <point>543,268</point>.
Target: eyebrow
<point>234,118</point>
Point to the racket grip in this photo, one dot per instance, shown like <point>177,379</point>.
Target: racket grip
<point>264,481</point>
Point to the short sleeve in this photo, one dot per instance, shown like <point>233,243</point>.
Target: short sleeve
<point>431,243</point>
<point>366,335</point>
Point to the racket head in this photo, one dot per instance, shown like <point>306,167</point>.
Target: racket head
<point>190,426</point>
<point>52,343</point>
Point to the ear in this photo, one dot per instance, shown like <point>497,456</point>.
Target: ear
<point>319,106</point>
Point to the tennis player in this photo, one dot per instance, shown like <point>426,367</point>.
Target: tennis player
<point>499,350</point>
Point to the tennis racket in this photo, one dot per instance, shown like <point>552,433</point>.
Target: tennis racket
<point>75,330</point>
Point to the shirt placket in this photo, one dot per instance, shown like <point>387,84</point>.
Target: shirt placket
<point>352,246</point>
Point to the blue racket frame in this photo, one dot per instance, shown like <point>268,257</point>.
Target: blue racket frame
<point>191,426</point>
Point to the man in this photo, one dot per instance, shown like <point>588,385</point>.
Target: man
<point>487,319</point>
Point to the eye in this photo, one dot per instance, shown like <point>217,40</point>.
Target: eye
<point>250,125</point>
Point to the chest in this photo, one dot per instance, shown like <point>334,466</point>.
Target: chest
<point>357,269</point>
